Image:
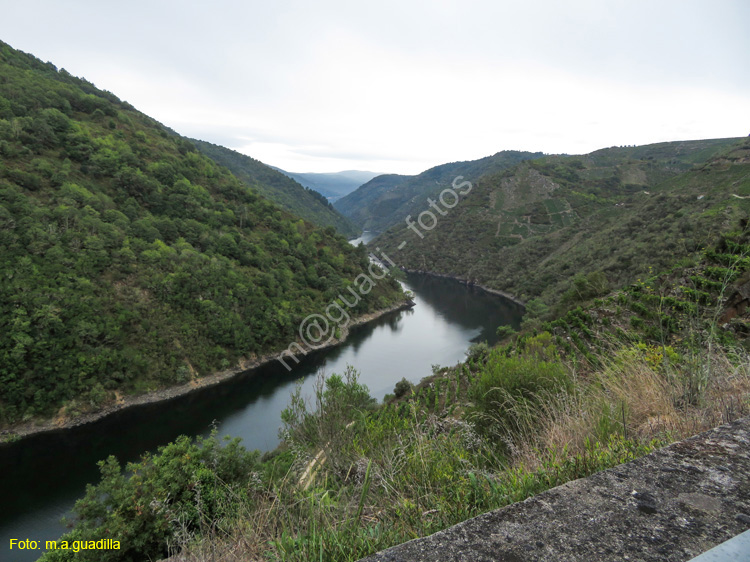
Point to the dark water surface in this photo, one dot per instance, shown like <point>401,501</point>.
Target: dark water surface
<point>42,476</point>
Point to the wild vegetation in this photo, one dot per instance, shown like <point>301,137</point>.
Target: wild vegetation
<point>558,401</point>
<point>531,230</point>
<point>279,188</point>
<point>132,262</point>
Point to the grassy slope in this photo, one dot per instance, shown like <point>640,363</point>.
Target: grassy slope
<point>530,230</point>
<point>279,188</point>
<point>132,262</point>
<point>387,200</point>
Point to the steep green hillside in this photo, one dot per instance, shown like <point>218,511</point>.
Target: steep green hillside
<point>387,200</point>
<point>703,295</point>
<point>128,260</point>
<point>530,230</point>
<point>279,188</point>
<point>379,197</point>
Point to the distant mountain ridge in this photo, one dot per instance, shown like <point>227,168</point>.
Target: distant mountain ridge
<point>279,188</point>
<point>387,199</point>
<point>332,185</point>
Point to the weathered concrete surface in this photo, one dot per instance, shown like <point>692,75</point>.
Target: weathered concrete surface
<point>668,506</point>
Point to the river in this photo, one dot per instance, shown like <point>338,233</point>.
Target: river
<point>43,475</point>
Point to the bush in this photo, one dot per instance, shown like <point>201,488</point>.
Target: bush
<point>513,380</point>
<point>402,387</point>
<point>535,308</point>
<point>595,284</point>
<point>25,179</point>
<point>186,484</point>
<point>339,400</point>
<point>477,351</point>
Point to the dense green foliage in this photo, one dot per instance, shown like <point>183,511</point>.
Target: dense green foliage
<point>184,486</point>
<point>534,229</point>
<point>516,379</point>
<point>279,188</point>
<point>388,199</point>
<point>129,260</point>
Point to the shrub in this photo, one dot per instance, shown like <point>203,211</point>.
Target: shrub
<point>583,288</point>
<point>338,401</point>
<point>477,351</point>
<point>186,484</point>
<point>402,387</point>
<point>520,378</point>
<point>505,331</point>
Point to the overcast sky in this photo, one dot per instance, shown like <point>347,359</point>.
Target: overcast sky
<point>400,86</point>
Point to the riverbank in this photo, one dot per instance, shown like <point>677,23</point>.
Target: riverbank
<point>14,433</point>
<point>468,283</point>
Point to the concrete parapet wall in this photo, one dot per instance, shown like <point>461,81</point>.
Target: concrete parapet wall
<point>671,505</point>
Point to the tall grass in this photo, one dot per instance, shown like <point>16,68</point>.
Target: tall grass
<point>405,470</point>
<point>633,397</point>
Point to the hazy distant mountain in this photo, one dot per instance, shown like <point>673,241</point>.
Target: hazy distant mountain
<point>388,199</point>
<point>374,202</point>
<point>279,188</point>
<point>332,185</point>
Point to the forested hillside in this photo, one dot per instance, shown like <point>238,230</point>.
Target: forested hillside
<point>387,200</point>
<point>379,197</point>
<point>279,188</point>
<point>610,215</point>
<point>129,261</point>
